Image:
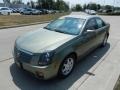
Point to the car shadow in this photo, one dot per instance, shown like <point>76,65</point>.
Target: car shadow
<point>25,81</point>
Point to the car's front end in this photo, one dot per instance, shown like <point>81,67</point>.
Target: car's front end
<point>36,52</point>
<point>42,65</point>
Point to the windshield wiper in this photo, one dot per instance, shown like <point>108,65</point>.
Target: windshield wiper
<point>47,28</point>
<point>58,31</point>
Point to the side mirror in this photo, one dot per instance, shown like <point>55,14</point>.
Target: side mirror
<point>89,31</point>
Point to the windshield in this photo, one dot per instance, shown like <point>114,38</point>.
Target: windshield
<point>66,25</point>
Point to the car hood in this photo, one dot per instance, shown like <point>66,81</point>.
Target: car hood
<point>42,40</point>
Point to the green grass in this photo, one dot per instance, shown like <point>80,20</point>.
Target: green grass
<point>27,19</point>
<point>117,86</point>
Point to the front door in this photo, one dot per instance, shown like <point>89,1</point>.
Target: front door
<point>87,40</point>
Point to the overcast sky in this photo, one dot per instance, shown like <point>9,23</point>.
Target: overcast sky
<point>73,2</point>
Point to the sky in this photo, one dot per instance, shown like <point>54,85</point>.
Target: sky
<point>73,2</point>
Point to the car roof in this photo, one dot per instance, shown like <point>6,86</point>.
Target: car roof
<point>80,16</point>
<point>3,7</point>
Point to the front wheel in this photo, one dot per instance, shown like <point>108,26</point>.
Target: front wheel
<point>66,66</point>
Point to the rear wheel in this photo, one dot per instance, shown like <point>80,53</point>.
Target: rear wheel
<point>8,13</point>
<point>31,13</point>
<point>66,66</point>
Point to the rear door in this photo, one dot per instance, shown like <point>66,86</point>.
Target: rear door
<point>100,31</point>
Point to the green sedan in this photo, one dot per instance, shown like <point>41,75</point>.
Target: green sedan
<point>54,50</point>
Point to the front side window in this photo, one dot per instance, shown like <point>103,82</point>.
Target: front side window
<point>91,25</point>
<point>67,25</point>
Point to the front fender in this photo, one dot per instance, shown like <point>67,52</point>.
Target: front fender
<point>61,55</point>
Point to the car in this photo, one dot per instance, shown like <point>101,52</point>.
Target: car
<point>30,11</point>
<point>15,10</point>
<point>87,11</point>
<point>26,11</point>
<point>117,12</point>
<point>11,10</point>
<point>5,11</point>
<point>54,50</point>
<point>36,12</point>
<point>51,11</point>
<point>109,11</point>
<point>104,11</point>
<point>20,10</point>
<point>44,11</point>
<point>92,12</point>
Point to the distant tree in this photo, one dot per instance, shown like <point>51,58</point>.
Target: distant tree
<point>17,1</point>
<point>32,4</point>
<point>77,7</point>
<point>92,6</point>
<point>98,6</point>
<point>108,7</point>
<point>84,6</point>
<point>6,1</point>
<point>39,4</point>
<point>61,5</point>
<point>28,3</point>
<point>53,4</point>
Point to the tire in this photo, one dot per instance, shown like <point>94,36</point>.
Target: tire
<point>22,13</point>
<point>104,41</point>
<point>66,66</point>
<point>31,13</point>
<point>8,13</point>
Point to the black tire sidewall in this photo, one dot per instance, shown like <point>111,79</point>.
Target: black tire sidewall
<point>8,13</point>
<point>60,74</point>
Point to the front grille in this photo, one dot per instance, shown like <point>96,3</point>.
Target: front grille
<point>22,56</point>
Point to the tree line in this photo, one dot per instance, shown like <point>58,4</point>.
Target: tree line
<point>62,5</point>
<point>45,4</point>
<point>93,6</point>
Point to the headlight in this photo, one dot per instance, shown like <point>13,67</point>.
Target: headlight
<point>45,58</point>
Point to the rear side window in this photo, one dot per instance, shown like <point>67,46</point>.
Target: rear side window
<point>100,23</point>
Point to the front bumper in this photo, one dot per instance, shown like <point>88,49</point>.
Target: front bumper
<point>42,72</point>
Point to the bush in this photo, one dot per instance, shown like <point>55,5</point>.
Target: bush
<point>118,13</point>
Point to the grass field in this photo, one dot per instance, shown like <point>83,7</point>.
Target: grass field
<point>117,86</point>
<point>27,19</point>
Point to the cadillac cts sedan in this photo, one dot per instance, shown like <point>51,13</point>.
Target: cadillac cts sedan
<point>54,50</point>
